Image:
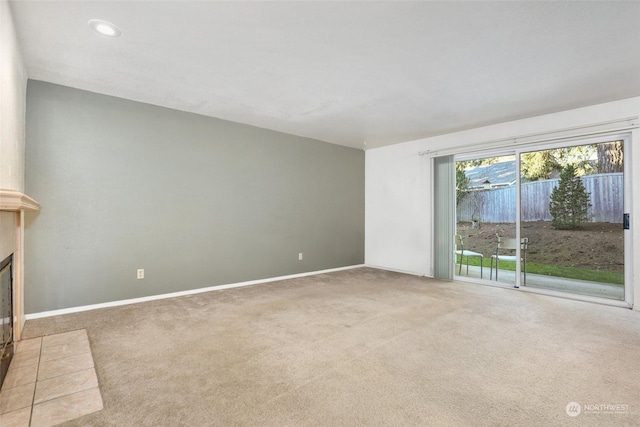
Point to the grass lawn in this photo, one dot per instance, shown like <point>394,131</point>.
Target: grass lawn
<point>599,276</point>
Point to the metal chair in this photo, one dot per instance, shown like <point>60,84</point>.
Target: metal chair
<point>510,245</point>
<point>460,250</point>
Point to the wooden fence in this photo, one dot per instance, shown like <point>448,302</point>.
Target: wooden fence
<point>499,204</point>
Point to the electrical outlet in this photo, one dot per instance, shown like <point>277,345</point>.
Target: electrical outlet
<point>300,256</point>
<point>141,273</point>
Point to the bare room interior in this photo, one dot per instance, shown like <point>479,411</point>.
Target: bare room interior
<point>319,213</point>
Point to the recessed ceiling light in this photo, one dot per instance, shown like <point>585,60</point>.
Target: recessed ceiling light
<point>105,28</point>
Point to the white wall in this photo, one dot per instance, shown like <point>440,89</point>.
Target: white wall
<point>13,89</point>
<point>398,213</point>
<point>397,207</point>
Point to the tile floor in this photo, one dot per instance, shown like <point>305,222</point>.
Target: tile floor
<point>51,380</point>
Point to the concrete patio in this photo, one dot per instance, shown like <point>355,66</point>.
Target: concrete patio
<point>560,284</point>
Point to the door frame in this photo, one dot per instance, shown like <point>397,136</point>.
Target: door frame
<point>626,137</point>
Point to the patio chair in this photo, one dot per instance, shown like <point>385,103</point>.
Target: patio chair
<point>460,250</point>
<point>506,250</point>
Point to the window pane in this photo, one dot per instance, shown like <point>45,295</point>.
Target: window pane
<point>486,214</point>
<point>572,211</point>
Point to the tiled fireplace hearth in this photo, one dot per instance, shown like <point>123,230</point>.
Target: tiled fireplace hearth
<point>52,379</point>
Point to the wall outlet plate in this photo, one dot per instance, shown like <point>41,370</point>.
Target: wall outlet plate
<point>141,273</point>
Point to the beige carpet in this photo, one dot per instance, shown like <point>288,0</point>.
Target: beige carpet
<point>361,347</point>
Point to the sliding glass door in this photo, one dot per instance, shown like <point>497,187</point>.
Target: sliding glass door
<point>549,216</point>
<point>572,212</point>
<point>486,215</point>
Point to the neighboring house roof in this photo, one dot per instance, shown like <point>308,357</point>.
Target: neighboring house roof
<point>499,174</point>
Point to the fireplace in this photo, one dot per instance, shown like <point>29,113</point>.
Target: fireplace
<point>13,205</point>
<point>6,314</point>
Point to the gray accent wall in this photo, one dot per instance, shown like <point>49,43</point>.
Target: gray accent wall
<point>195,201</point>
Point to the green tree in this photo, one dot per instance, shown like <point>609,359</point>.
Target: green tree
<point>569,201</point>
<point>539,165</point>
<point>462,183</point>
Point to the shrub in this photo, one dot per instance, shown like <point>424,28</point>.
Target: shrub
<point>569,201</point>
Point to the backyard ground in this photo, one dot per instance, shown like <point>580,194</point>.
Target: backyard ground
<point>597,246</point>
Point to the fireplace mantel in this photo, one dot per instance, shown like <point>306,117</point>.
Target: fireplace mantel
<point>12,200</point>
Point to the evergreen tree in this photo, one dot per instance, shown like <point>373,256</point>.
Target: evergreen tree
<point>539,164</point>
<point>462,183</point>
<point>569,201</point>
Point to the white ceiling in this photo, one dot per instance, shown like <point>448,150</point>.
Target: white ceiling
<point>342,72</point>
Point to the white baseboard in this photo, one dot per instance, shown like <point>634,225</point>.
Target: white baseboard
<point>182,293</point>
<point>395,270</point>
